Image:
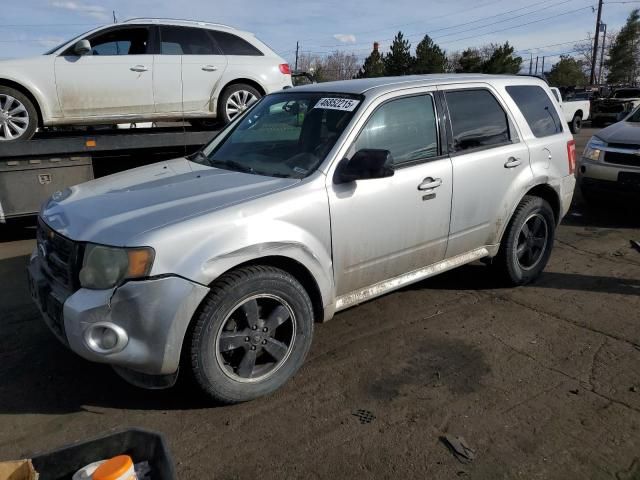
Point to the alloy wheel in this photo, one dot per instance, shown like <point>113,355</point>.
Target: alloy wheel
<point>238,102</point>
<point>14,118</point>
<point>532,241</point>
<point>256,338</point>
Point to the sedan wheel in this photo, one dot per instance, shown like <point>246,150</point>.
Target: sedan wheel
<point>532,241</point>
<point>14,118</point>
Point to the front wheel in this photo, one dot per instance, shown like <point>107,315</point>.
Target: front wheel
<point>18,116</point>
<point>527,242</point>
<point>251,335</point>
<point>576,124</point>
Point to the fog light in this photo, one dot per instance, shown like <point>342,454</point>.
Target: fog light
<point>105,338</point>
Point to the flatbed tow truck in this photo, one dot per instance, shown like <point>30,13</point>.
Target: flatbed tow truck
<point>30,172</point>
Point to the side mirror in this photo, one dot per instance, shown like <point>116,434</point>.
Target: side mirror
<point>366,164</point>
<point>82,47</point>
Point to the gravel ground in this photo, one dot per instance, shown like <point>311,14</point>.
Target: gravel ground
<point>541,381</point>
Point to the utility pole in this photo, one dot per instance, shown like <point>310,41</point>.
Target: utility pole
<point>537,65</point>
<point>594,57</point>
<point>542,69</point>
<point>604,41</point>
<point>297,48</point>
<point>531,64</point>
<point>115,20</point>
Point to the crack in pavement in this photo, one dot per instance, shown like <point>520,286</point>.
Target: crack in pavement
<point>600,256</point>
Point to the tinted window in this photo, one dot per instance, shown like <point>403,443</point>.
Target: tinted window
<point>122,41</point>
<point>233,45</point>
<point>406,127</point>
<point>477,119</point>
<point>537,108</point>
<point>185,41</point>
<point>626,93</point>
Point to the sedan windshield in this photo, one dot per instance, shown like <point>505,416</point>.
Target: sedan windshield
<point>284,135</point>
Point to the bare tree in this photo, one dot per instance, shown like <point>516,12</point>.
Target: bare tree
<point>338,65</point>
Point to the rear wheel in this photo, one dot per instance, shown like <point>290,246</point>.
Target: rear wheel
<point>235,100</point>
<point>576,124</point>
<point>252,334</point>
<point>18,116</point>
<point>527,243</point>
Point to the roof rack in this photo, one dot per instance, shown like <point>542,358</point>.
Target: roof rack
<point>176,20</point>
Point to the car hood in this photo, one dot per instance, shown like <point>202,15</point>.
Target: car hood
<point>114,210</point>
<point>621,132</point>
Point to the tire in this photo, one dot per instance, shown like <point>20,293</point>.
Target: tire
<point>576,124</point>
<point>18,116</point>
<point>241,94</point>
<point>513,261</point>
<point>223,339</point>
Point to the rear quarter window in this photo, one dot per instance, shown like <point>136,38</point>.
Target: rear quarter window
<point>537,108</point>
<point>231,44</point>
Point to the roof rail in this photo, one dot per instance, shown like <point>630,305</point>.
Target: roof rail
<point>184,20</point>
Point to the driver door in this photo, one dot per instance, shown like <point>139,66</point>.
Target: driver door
<point>115,80</point>
<point>384,228</point>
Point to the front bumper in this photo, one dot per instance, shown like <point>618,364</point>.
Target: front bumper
<point>152,317</point>
<point>606,177</point>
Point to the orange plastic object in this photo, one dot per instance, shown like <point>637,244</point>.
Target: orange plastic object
<point>90,143</point>
<point>114,468</point>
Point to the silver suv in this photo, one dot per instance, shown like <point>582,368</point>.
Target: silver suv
<point>140,70</point>
<point>317,199</point>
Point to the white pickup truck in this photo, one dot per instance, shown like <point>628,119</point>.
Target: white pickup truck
<point>575,111</point>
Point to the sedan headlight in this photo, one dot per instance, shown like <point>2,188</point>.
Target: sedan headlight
<point>593,150</point>
<point>107,267</point>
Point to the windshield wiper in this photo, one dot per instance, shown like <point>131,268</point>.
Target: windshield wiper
<point>231,165</point>
<point>199,155</point>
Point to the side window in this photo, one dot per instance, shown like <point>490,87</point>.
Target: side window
<point>233,45</point>
<point>537,108</point>
<point>185,41</point>
<point>406,127</point>
<point>121,41</point>
<point>477,119</point>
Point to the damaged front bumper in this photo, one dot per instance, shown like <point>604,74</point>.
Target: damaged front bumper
<point>138,328</point>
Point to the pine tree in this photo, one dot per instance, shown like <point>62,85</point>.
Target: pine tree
<point>623,56</point>
<point>430,58</point>
<point>470,61</point>
<point>399,60</point>
<point>567,72</point>
<point>502,60</point>
<point>373,65</point>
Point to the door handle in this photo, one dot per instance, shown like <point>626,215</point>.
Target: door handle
<point>138,68</point>
<point>430,183</point>
<point>512,162</point>
<point>209,68</point>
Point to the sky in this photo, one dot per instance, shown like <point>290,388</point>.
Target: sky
<point>551,27</point>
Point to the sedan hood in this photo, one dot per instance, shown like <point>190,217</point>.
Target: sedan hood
<point>621,132</point>
<point>114,210</point>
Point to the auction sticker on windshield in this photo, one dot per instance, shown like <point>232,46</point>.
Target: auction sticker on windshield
<point>344,104</point>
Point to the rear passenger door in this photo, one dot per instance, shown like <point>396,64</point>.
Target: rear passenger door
<point>386,227</point>
<point>202,68</point>
<point>490,166</point>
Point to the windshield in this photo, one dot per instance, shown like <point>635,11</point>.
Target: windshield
<point>626,93</point>
<point>633,116</point>
<point>284,135</point>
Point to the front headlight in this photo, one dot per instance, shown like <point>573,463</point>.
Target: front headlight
<point>593,150</point>
<point>106,267</point>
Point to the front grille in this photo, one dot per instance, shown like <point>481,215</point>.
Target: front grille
<point>622,158</point>
<point>60,256</point>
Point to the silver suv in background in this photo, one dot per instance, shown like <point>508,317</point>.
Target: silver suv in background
<point>140,70</point>
<point>317,199</point>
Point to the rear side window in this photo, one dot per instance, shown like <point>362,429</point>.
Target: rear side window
<point>121,41</point>
<point>477,120</point>
<point>537,108</point>
<point>406,127</point>
<point>233,45</point>
<point>185,41</point>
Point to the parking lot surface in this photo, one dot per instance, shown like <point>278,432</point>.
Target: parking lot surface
<point>541,381</point>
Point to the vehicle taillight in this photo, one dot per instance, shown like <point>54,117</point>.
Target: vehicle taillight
<point>285,69</point>
<point>571,156</point>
